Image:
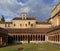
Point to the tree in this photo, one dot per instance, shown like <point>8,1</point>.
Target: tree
<point>3,19</point>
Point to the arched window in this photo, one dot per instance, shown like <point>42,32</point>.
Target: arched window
<point>20,24</point>
<point>59,14</point>
<point>28,23</point>
<point>31,25</point>
<point>14,24</point>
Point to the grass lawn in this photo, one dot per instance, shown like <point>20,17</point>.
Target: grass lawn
<point>31,47</point>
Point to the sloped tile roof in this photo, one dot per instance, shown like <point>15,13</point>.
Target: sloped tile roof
<point>16,18</point>
<point>30,30</point>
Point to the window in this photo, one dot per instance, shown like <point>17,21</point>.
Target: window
<point>20,24</point>
<point>14,24</point>
<point>31,25</point>
<point>28,23</point>
<point>59,14</point>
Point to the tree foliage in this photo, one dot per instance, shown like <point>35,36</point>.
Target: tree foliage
<point>3,19</point>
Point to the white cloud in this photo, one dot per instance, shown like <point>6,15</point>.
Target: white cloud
<point>21,4</point>
<point>26,9</point>
<point>8,19</point>
<point>39,9</point>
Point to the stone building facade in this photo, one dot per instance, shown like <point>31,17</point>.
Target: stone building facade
<point>27,30</point>
<point>3,37</point>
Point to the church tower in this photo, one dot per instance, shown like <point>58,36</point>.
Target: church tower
<point>23,15</point>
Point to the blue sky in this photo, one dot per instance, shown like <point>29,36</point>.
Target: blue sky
<point>48,1</point>
<point>23,1</point>
<point>34,8</point>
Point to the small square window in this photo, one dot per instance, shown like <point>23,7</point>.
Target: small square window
<point>26,25</point>
<point>14,24</point>
<point>31,25</point>
<point>20,24</point>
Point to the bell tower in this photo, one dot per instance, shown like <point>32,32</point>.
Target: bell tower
<point>23,15</point>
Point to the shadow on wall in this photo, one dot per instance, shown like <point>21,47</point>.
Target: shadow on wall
<point>10,39</point>
<point>12,42</point>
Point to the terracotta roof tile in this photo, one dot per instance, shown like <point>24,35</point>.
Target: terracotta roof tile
<point>31,30</point>
<point>54,29</point>
<point>3,31</point>
<point>5,22</point>
<point>21,18</point>
<point>43,23</point>
<point>55,14</point>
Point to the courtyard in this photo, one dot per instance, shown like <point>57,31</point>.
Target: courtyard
<point>31,47</point>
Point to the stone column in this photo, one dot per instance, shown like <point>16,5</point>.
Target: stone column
<point>22,37</point>
<point>27,37</point>
<point>59,37</point>
<point>32,37</point>
<point>55,37</point>
<point>43,37</point>
<point>1,41</point>
<point>37,38</point>
<point>40,37</point>
<point>16,37</point>
<point>46,38</point>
